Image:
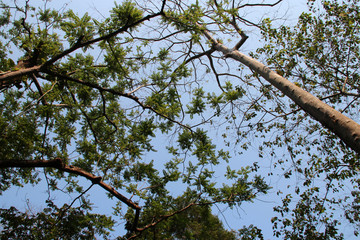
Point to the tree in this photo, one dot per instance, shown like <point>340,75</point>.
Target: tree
<point>320,54</point>
<point>84,97</point>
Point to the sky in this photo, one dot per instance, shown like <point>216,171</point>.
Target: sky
<point>258,213</point>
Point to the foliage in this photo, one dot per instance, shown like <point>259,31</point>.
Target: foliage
<point>54,223</point>
<point>192,222</point>
<point>250,232</point>
<point>97,99</point>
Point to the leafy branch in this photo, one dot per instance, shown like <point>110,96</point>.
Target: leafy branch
<point>60,165</point>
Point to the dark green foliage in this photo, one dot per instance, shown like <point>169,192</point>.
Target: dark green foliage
<point>54,223</point>
<point>192,222</point>
<point>250,233</point>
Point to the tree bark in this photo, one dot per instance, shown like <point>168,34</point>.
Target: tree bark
<point>344,127</point>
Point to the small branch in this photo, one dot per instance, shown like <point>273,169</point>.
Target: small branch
<point>104,113</point>
<point>162,7</point>
<point>126,95</point>
<point>139,87</point>
<point>343,88</point>
<point>37,84</point>
<point>206,53</point>
<point>244,37</point>
<point>355,99</point>
<point>72,203</point>
<point>260,4</point>
<point>214,70</point>
<point>249,23</point>
<point>95,86</point>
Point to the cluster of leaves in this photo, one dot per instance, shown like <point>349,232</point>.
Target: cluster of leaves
<point>192,220</point>
<point>54,223</point>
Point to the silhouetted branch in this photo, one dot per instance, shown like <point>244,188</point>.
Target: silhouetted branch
<point>260,4</point>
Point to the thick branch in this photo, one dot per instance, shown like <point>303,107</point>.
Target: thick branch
<point>10,77</point>
<point>59,164</point>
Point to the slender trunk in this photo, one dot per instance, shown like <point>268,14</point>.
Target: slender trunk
<point>345,128</point>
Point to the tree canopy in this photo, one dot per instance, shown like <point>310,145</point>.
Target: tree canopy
<point>153,102</point>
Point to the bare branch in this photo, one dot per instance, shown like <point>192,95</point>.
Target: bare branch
<point>215,73</point>
<point>260,4</point>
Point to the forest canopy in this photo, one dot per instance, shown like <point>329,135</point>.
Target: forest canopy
<point>158,104</point>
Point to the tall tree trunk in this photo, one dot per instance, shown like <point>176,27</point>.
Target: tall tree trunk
<point>345,128</point>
